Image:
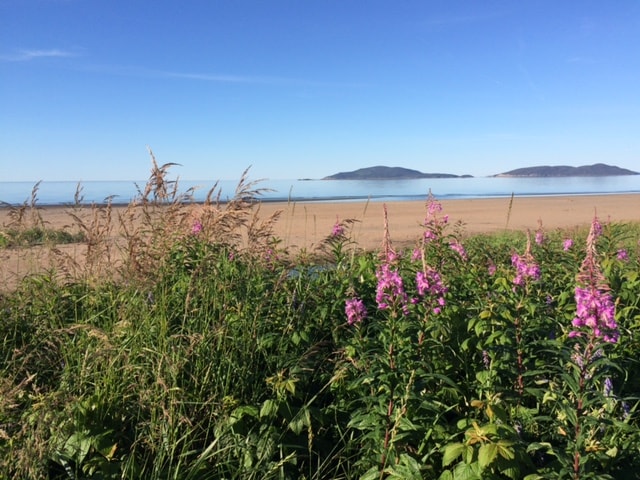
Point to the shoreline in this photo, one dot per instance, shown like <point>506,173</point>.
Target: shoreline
<point>303,226</point>
<point>315,218</point>
<point>342,199</point>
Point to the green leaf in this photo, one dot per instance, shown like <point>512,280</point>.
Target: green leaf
<point>372,474</point>
<point>451,452</point>
<point>487,454</point>
<point>290,385</point>
<point>483,376</point>
<point>240,412</point>
<point>407,469</point>
<point>467,471</point>
<point>406,425</point>
<point>536,446</point>
<point>505,449</point>
<point>301,420</point>
<point>269,408</point>
<point>105,445</point>
<point>77,446</point>
<point>512,472</point>
<point>612,452</point>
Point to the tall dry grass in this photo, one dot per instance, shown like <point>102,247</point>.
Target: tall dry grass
<point>132,243</point>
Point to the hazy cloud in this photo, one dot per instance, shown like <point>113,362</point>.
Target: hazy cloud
<point>223,78</point>
<point>133,71</point>
<point>28,55</point>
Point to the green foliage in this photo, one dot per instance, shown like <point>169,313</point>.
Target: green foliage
<point>241,364</point>
<point>38,236</point>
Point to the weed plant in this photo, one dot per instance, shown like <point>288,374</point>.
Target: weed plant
<point>193,346</point>
<point>27,228</point>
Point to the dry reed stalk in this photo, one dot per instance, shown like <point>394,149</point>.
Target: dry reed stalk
<point>289,223</point>
<point>98,258</point>
<point>152,223</point>
<point>27,215</point>
<point>506,225</point>
<point>136,244</point>
<point>387,253</point>
<point>161,216</point>
<point>29,260</point>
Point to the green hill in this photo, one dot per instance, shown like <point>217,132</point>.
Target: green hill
<point>387,173</point>
<point>596,170</point>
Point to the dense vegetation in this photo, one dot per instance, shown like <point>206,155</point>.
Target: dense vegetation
<point>194,357</point>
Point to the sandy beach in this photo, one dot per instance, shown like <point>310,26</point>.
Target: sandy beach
<point>305,225</point>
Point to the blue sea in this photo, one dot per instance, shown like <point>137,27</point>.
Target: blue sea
<point>122,192</point>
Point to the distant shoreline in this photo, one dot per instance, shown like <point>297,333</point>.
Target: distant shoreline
<point>340,199</point>
<point>305,225</point>
<point>342,191</point>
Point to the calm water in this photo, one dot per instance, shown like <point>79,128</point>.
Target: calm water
<point>57,193</point>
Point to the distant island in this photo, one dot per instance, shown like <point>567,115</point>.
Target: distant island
<point>597,170</point>
<point>399,173</point>
<point>388,173</point>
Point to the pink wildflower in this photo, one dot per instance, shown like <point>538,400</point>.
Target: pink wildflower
<point>459,249</point>
<point>567,244</point>
<point>196,228</point>
<point>595,309</point>
<point>622,255</point>
<point>393,256</point>
<point>270,255</point>
<point>433,207</point>
<point>355,310</point>
<point>429,282</point>
<point>492,269</point>
<point>338,229</point>
<point>429,235</point>
<point>433,224</point>
<point>390,288</point>
<point>525,268</point>
<point>596,227</point>
<point>486,359</point>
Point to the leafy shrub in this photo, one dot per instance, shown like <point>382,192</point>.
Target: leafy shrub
<point>481,357</point>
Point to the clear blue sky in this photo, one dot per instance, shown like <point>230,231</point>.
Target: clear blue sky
<point>304,88</point>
